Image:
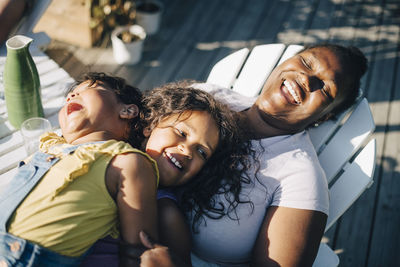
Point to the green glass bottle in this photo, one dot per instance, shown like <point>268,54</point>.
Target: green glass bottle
<point>21,82</point>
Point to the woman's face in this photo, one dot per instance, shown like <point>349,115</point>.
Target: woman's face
<point>303,89</point>
<point>182,145</point>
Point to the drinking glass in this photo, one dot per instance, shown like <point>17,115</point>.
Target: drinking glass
<point>31,130</point>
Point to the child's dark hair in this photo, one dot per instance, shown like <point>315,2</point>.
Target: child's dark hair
<point>355,64</point>
<point>230,159</point>
<point>125,93</point>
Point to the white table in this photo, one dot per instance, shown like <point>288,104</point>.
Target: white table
<point>54,81</point>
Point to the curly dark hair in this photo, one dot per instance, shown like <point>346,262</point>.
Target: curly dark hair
<point>355,64</point>
<point>230,159</point>
<point>125,93</point>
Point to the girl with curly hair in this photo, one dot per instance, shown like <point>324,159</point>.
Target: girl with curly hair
<point>230,157</point>
<point>194,139</point>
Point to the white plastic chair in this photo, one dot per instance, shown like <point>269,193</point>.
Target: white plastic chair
<point>342,145</point>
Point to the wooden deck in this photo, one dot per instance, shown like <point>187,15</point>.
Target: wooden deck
<point>196,34</point>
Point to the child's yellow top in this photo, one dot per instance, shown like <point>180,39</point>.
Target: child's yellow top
<point>70,208</point>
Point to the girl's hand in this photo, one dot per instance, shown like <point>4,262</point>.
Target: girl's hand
<point>158,255</point>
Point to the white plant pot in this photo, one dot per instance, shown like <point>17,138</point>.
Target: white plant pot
<point>128,53</point>
<point>149,19</point>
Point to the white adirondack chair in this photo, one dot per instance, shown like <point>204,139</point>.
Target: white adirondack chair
<point>341,145</point>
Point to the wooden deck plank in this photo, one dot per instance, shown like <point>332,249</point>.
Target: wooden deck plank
<point>105,62</point>
<point>354,250</point>
<point>355,231</point>
<point>273,22</point>
<point>385,236</point>
<point>193,60</point>
<point>346,18</point>
<point>81,61</point>
<point>60,52</point>
<point>297,22</point>
<point>176,50</point>
<point>343,249</point>
<point>321,21</point>
<point>387,218</point>
<point>155,44</point>
<point>248,36</point>
<point>236,26</point>
<point>203,48</point>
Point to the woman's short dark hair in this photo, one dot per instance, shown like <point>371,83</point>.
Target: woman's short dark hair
<point>355,64</point>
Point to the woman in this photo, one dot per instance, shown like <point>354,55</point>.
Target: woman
<point>285,224</point>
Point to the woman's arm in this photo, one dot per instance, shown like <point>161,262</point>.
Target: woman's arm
<point>173,229</point>
<point>289,237</point>
<point>136,200</point>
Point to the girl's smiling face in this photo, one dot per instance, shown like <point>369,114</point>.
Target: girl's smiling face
<point>181,145</point>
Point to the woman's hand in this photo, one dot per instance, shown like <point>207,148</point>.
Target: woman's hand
<point>158,255</point>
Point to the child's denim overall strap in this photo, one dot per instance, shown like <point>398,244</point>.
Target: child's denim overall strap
<point>26,178</point>
<point>15,251</point>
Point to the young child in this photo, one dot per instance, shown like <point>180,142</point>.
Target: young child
<point>85,185</point>
<point>230,159</point>
<point>189,134</point>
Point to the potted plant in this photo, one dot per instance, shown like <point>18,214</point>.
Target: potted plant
<point>148,15</point>
<point>127,44</point>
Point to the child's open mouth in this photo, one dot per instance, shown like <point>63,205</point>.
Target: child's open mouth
<point>73,107</point>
